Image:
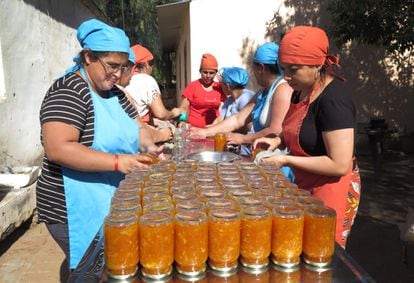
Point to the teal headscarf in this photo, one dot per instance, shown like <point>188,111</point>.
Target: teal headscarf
<point>235,76</point>
<point>97,36</point>
<point>268,53</point>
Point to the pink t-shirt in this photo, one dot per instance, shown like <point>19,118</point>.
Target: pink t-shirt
<point>204,105</point>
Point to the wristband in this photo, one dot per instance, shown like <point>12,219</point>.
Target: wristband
<point>116,162</point>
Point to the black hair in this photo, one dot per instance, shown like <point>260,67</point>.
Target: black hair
<point>273,68</point>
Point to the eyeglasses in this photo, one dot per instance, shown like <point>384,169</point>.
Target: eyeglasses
<point>113,68</point>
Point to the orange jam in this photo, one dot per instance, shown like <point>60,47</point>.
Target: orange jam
<point>255,236</point>
<point>156,244</point>
<point>287,232</point>
<point>220,141</point>
<point>190,241</point>
<point>319,235</point>
<point>223,238</point>
<point>121,244</point>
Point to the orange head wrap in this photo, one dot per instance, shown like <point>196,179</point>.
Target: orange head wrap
<point>208,61</point>
<point>304,45</point>
<point>142,54</point>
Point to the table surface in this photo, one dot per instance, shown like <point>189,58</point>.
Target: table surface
<point>342,269</point>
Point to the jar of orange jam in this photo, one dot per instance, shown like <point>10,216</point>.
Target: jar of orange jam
<point>223,239</point>
<point>255,236</point>
<point>220,142</point>
<point>191,242</point>
<point>319,235</point>
<point>287,232</point>
<point>156,245</point>
<point>121,244</point>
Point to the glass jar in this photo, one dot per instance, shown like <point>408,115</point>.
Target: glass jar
<point>303,202</point>
<point>190,205</point>
<point>191,242</point>
<point>319,235</point>
<point>220,142</point>
<point>205,195</point>
<point>220,203</point>
<point>156,245</point>
<point>223,239</point>
<point>287,234</point>
<point>255,236</point>
<point>126,206</point>
<point>121,244</point>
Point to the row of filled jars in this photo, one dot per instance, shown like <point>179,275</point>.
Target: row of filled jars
<point>194,213</point>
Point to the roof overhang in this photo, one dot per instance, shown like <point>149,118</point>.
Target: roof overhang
<point>170,23</point>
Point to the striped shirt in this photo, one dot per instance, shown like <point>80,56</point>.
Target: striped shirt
<point>68,101</point>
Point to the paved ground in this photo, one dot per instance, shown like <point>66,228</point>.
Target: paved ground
<point>30,255</point>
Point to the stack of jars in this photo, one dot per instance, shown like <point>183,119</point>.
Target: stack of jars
<point>192,213</point>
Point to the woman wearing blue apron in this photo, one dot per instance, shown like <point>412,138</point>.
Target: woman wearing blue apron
<point>266,110</point>
<point>91,137</point>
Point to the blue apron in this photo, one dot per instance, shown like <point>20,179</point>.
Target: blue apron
<point>88,194</point>
<point>262,99</point>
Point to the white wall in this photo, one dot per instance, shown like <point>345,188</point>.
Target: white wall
<point>230,30</point>
<point>38,41</point>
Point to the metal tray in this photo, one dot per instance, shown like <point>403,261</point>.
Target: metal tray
<point>213,156</point>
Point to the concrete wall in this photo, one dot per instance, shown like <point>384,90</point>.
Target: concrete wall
<point>38,41</point>
<point>382,84</point>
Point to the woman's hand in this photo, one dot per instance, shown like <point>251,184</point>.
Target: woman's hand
<point>279,160</point>
<point>272,143</point>
<point>235,138</point>
<point>127,162</point>
<point>157,151</point>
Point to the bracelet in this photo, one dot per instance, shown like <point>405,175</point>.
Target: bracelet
<point>116,161</point>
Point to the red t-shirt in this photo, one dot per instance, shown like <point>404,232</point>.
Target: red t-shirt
<point>204,104</point>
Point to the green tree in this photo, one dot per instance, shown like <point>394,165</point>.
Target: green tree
<point>139,20</point>
<point>389,23</point>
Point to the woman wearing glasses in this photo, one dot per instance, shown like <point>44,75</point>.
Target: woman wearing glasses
<point>202,98</point>
<point>91,138</point>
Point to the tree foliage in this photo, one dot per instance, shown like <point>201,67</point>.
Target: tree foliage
<point>389,23</point>
<point>138,19</point>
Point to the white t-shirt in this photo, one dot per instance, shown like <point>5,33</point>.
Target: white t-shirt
<point>143,89</point>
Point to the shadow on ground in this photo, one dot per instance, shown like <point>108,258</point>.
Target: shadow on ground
<point>375,240</point>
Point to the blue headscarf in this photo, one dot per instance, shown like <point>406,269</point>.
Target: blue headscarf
<point>97,36</point>
<point>235,76</point>
<point>267,53</point>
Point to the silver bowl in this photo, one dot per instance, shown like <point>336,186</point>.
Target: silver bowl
<point>213,156</point>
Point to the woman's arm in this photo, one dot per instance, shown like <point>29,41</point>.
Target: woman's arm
<point>61,144</point>
<point>279,107</point>
<point>159,111</point>
<point>339,146</point>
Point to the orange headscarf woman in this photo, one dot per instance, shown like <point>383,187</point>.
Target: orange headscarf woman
<point>319,126</point>
<point>202,98</point>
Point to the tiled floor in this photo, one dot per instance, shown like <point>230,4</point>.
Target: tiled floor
<point>30,255</point>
